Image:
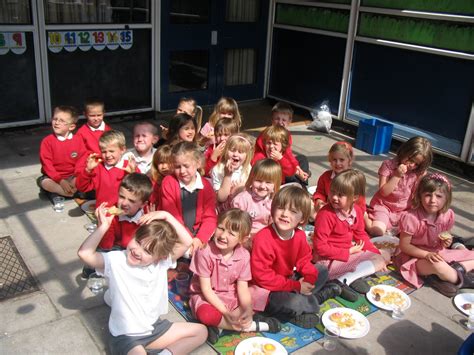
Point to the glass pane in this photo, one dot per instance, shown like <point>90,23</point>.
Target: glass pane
<point>15,12</point>
<point>461,7</point>
<point>189,11</point>
<point>242,10</point>
<point>100,11</point>
<point>188,70</point>
<point>240,66</point>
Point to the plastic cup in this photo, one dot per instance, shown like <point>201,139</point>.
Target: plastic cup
<point>90,227</point>
<point>182,283</point>
<point>96,283</point>
<point>58,203</point>
<point>398,312</point>
<point>331,338</point>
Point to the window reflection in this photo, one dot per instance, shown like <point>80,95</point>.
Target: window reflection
<point>189,11</point>
<point>15,12</point>
<point>188,70</point>
<point>240,66</point>
<point>242,10</point>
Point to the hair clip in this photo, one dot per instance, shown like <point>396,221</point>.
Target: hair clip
<point>441,178</point>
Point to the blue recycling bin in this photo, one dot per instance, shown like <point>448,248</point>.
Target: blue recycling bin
<point>374,136</point>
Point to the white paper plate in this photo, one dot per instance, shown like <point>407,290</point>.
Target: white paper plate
<point>86,206</point>
<point>386,239</point>
<point>359,330</point>
<point>255,345</point>
<point>462,299</point>
<point>370,296</point>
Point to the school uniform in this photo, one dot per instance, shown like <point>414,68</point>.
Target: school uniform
<point>90,136</point>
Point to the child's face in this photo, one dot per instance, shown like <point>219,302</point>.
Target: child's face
<point>137,255</point>
<point>225,239</point>
<point>62,123</point>
<point>286,219</point>
<point>235,158</point>
<point>281,119</point>
<point>413,163</point>
<point>112,153</point>
<point>187,132</point>
<point>185,107</point>
<point>262,188</point>
<point>339,162</point>
<point>339,201</point>
<point>94,115</point>
<point>433,202</point>
<point>271,146</point>
<point>164,169</point>
<point>224,114</point>
<point>222,136</point>
<point>185,168</point>
<point>129,202</point>
<point>143,139</point>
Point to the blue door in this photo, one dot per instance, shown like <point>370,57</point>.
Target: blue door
<point>212,48</point>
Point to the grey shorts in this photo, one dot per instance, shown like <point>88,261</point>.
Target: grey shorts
<point>122,344</point>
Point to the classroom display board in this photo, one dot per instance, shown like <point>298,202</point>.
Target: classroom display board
<point>307,68</point>
<point>117,70</point>
<point>421,90</point>
<point>18,79</point>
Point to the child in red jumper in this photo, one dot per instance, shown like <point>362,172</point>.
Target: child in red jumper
<point>60,152</point>
<point>340,240</point>
<point>189,197</point>
<point>95,125</point>
<point>279,249</point>
<point>282,115</point>
<point>103,173</point>
<point>276,140</point>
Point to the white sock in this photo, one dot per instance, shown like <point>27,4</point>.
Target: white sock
<point>365,268</point>
<point>165,352</point>
<point>253,327</point>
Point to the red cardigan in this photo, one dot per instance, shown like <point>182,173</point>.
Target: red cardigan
<point>288,162</point>
<point>206,218</point>
<point>209,163</point>
<point>120,233</point>
<point>59,158</point>
<point>274,259</point>
<point>324,186</point>
<point>333,238</point>
<point>105,182</point>
<point>91,138</point>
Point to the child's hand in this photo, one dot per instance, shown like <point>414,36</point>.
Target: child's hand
<point>318,205</point>
<point>306,287</point>
<point>401,170</point>
<point>275,155</point>
<point>67,186</point>
<point>230,168</point>
<point>164,132</point>
<point>131,166</point>
<point>150,207</point>
<point>245,319</point>
<point>302,175</point>
<point>233,320</point>
<point>446,239</point>
<point>218,150</point>
<point>93,160</point>
<point>433,257</point>
<point>103,218</point>
<point>152,216</point>
<point>357,247</point>
<point>197,244</point>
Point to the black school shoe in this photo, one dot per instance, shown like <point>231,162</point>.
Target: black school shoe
<point>360,285</point>
<point>86,272</point>
<point>274,325</point>
<point>330,290</point>
<point>305,320</point>
<point>347,293</point>
<point>212,334</point>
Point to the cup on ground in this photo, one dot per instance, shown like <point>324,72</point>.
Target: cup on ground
<point>182,283</point>
<point>331,338</point>
<point>58,203</point>
<point>96,283</point>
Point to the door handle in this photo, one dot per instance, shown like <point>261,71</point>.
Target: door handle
<point>213,38</point>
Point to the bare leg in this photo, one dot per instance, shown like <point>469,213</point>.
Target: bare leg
<point>444,271</point>
<point>52,186</point>
<point>181,338</point>
<point>468,265</point>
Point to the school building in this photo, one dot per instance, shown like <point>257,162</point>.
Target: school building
<point>406,62</point>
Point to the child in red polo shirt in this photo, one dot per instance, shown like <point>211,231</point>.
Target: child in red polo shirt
<point>281,248</point>
<point>60,153</point>
<point>95,126</point>
<point>103,173</point>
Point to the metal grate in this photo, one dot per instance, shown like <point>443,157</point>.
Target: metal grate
<point>15,278</point>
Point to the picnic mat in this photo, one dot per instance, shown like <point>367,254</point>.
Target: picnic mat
<point>290,336</point>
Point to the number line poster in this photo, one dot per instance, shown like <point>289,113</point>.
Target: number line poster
<point>12,41</point>
<point>85,40</point>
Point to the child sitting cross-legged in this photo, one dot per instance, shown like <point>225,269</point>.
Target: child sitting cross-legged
<point>220,295</point>
<point>281,248</point>
<point>340,240</point>
<point>138,286</point>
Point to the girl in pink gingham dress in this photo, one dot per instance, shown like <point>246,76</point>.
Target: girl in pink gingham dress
<point>220,294</point>
<point>424,243</point>
<point>397,182</point>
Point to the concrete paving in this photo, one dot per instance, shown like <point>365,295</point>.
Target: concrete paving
<point>65,317</point>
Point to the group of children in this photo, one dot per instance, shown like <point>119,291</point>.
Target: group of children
<point>214,195</point>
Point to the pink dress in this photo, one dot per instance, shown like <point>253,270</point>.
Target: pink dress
<point>388,209</point>
<point>425,236</point>
<point>224,274</point>
<point>259,209</point>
